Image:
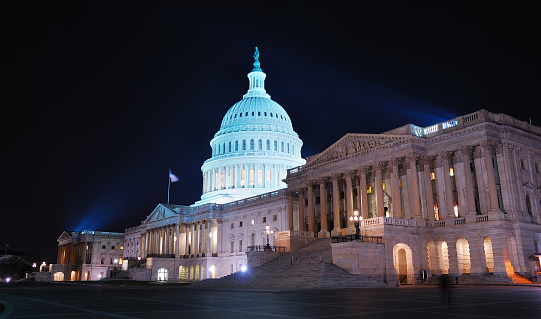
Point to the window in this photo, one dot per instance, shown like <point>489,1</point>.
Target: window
<point>232,246</point>
<point>242,178</point>
<point>103,247</point>
<point>259,177</point>
<point>252,222</point>
<point>260,145</point>
<point>240,245</point>
<point>288,147</point>
<point>383,185</point>
<point>244,145</point>
<point>240,224</point>
<point>282,147</point>
<point>112,247</point>
<point>529,205</point>
<point>268,175</point>
<point>274,218</point>
<point>232,225</point>
<point>229,149</point>
<point>537,169</point>
<point>276,146</point>
<point>268,145</point>
<point>522,163</point>
<point>264,219</point>
<point>252,177</point>
<point>432,176</point>
<point>369,189</point>
<point>162,274</point>
<point>236,146</point>
<point>251,145</point>
<point>451,171</point>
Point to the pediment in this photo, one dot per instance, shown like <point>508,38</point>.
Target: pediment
<point>159,213</point>
<point>352,144</point>
<point>65,236</point>
<point>529,185</point>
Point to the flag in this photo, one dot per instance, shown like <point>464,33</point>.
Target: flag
<point>173,177</point>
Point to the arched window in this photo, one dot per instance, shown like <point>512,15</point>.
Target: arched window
<point>282,147</point>
<point>229,149</point>
<point>242,178</point>
<point>268,175</point>
<point>236,146</point>
<point>223,149</point>
<point>252,182</point>
<point>251,145</point>
<point>293,149</point>
<point>244,145</point>
<point>288,147</point>
<point>259,177</point>
<point>260,145</point>
<point>268,145</point>
<point>489,255</point>
<point>276,146</point>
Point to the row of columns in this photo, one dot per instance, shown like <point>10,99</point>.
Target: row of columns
<point>232,176</point>
<point>418,178</point>
<point>196,240</point>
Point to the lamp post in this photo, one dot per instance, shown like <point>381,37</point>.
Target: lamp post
<point>356,220</point>
<point>268,231</point>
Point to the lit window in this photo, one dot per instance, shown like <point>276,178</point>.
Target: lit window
<point>436,212</point>
<point>259,177</point>
<point>451,171</point>
<point>383,185</point>
<point>432,176</point>
<point>369,189</point>
<point>455,208</point>
<point>242,178</point>
<point>251,182</point>
<point>268,175</point>
<point>252,222</point>
<point>122,247</point>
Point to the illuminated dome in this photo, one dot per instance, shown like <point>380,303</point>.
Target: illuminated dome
<point>253,149</point>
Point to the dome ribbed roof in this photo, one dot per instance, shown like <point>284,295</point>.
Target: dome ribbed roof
<point>256,114</point>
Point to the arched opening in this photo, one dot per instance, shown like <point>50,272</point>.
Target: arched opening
<point>212,272</point>
<point>433,258</point>
<point>463,256</point>
<point>182,273</point>
<point>489,255</point>
<point>162,274</point>
<point>87,275</point>
<point>73,275</point>
<point>403,263</point>
<point>191,273</point>
<point>58,276</point>
<point>443,254</point>
<point>196,273</point>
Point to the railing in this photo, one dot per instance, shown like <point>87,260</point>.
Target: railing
<point>460,220</point>
<point>481,218</point>
<point>280,249</point>
<point>389,221</point>
<point>353,237</point>
<point>161,255</point>
<point>439,223</point>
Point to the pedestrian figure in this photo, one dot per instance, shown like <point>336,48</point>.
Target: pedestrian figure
<point>445,288</point>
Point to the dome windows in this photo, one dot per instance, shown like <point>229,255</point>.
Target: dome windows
<point>251,145</point>
<point>236,146</point>
<point>265,113</point>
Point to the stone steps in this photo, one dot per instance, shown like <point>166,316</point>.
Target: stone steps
<point>518,279</point>
<point>308,267</point>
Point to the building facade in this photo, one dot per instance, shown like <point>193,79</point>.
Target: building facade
<point>461,197</point>
<point>88,255</point>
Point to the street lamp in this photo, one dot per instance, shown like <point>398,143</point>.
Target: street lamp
<point>268,231</point>
<point>356,220</point>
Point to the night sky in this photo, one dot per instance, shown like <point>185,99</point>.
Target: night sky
<point>103,98</point>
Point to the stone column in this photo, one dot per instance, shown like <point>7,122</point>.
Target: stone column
<point>290,209</point>
<point>311,208</point>
<point>336,205</point>
<point>468,180</point>
<point>460,181</point>
<point>301,209</point>
<point>487,148</point>
<point>364,196</point>
<point>414,186</point>
<point>428,188</point>
<point>477,255</point>
<point>323,208</point>
<point>440,187</point>
<point>396,205</point>
<point>349,202</point>
<point>518,181</point>
<point>379,189</point>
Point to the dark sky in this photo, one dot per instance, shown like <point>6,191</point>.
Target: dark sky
<point>102,98</point>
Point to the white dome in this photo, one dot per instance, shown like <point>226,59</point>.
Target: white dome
<point>253,149</point>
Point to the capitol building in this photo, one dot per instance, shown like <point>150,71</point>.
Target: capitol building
<point>461,197</point>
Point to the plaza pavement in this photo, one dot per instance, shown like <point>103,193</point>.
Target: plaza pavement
<point>95,300</point>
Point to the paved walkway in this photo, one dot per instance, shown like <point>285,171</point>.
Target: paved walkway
<point>62,300</point>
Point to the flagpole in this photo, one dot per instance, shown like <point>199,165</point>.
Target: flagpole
<point>168,186</point>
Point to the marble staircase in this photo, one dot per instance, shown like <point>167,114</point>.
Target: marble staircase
<point>307,267</point>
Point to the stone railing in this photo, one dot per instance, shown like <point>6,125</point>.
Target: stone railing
<point>353,237</point>
<point>161,255</point>
<point>460,220</point>
<point>280,249</point>
<point>439,223</point>
<point>294,233</point>
<point>481,218</point>
<point>389,221</point>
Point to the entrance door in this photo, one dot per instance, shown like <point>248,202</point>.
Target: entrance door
<point>402,267</point>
